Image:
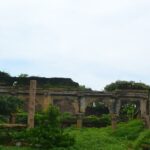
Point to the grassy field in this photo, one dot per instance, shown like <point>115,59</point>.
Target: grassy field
<point>123,138</point>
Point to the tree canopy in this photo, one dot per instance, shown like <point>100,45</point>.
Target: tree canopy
<point>9,104</point>
<point>24,80</point>
<point>4,74</point>
<point>119,85</point>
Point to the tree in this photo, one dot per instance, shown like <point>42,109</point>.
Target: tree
<point>120,85</point>
<point>128,110</point>
<point>4,74</point>
<point>9,105</point>
<point>48,133</point>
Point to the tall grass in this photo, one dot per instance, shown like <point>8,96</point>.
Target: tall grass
<point>126,135</point>
<point>143,139</point>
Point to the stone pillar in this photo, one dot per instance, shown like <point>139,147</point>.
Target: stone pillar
<point>31,104</point>
<point>114,121</point>
<point>149,107</point>
<point>118,107</point>
<point>13,118</point>
<point>46,102</point>
<point>147,118</point>
<point>113,110</point>
<point>76,106</point>
<point>143,107</point>
<point>149,102</point>
<point>79,120</point>
<point>82,105</point>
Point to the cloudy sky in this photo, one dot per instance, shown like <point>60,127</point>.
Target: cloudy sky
<point>94,42</point>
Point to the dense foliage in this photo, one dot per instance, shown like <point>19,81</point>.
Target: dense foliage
<point>68,120</point>
<point>4,74</point>
<point>119,85</point>
<point>98,109</point>
<point>129,131</point>
<point>143,139</point>
<point>128,111</point>
<point>24,80</point>
<point>43,82</point>
<point>9,105</point>
<point>48,133</point>
<point>130,135</point>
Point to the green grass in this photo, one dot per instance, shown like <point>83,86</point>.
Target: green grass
<point>14,148</point>
<point>125,136</point>
<point>97,139</point>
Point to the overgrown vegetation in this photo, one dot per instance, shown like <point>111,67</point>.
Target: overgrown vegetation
<point>143,139</point>
<point>24,80</point>
<point>119,85</point>
<point>131,135</point>
<point>48,133</point>
<point>4,74</point>
<point>68,120</point>
<point>97,109</point>
<point>9,105</point>
<point>128,111</point>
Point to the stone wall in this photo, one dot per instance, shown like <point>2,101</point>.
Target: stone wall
<point>77,101</point>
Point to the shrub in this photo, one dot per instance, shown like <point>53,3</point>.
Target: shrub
<point>3,119</point>
<point>94,121</point>
<point>128,111</point>
<point>91,121</point>
<point>119,85</point>
<point>130,130</point>
<point>49,133</point>
<point>144,138</point>
<point>5,136</point>
<point>9,104</point>
<point>23,116</point>
<point>105,119</point>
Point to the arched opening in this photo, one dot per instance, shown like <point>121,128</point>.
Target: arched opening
<point>129,110</point>
<point>96,115</point>
<point>96,108</point>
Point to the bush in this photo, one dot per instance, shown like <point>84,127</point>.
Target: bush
<point>130,130</point>
<point>9,104</point>
<point>90,121</point>
<point>128,111</point>
<point>23,117</point>
<point>119,85</point>
<point>94,121</point>
<point>144,138</point>
<point>5,136</point>
<point>68,120</point>
<point>49,133</point>
<point>3,119</point>
<point>105,120</point>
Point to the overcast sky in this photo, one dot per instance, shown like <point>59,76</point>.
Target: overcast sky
<point>94,42</point>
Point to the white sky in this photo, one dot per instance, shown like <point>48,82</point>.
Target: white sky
<point>94,42</point>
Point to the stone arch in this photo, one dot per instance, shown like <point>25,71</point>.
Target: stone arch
<point>86,102</point>
<point>130,103</point>
<point>96,108</point>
